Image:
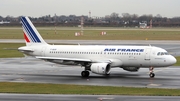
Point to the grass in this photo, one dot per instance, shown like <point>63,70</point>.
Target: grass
<point>9,50</point>
<point>94,34</point>
<point>34,88</point>
<point>178,61</point>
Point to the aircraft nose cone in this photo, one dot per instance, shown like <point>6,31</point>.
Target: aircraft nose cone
<point>173,60</point>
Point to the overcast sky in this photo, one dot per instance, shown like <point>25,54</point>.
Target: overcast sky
<point>100,8</point>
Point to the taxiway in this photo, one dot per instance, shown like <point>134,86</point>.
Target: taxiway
<point>53,97</point>
<point>34,70</point>
<point>39,71</point>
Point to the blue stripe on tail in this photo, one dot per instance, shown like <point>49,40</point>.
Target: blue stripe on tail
<point>27,32</point>
<point>30,30</point>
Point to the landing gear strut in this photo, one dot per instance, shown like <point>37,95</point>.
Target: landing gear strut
<point>85,73</point>
<point>151,74</point>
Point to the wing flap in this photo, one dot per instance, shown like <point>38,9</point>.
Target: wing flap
<point>113,62</point>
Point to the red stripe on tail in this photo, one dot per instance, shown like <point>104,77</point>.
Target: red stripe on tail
<point>26,38</point>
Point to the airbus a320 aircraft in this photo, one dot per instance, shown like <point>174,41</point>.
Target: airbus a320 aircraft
<point>97,59</point>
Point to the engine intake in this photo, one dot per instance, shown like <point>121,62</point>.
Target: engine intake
<point>100,68</point>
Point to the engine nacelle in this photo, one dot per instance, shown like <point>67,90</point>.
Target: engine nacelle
<point>131,69</point>
<point>100,68</point>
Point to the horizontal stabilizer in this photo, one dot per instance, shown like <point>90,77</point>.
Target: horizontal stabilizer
<point>25,49</point>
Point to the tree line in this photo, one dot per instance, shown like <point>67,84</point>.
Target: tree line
<point>112,20</point>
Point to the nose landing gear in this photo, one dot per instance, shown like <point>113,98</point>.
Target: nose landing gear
<point>151,74</point>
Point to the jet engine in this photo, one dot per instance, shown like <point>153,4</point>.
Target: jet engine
<point>100,68</point>
<point>131,69</point>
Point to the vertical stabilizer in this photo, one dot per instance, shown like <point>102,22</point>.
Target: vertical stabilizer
<point>31,35</point>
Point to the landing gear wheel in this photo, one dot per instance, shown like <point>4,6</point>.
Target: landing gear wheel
<point>85,73</point>
<point>152,75</point>
<point>107,74</point>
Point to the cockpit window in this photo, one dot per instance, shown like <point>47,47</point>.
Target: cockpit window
<point>162,53</point>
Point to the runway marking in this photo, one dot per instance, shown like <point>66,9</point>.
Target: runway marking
<point>19,79</point>
<point>154,85</point>
<point>103,98</point>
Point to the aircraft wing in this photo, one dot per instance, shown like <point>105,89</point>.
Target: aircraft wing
<point>67,59</point>
<point>77,59</point>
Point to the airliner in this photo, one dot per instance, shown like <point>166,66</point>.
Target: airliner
<point>97,59</point>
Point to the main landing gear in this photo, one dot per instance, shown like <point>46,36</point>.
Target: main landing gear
<point>151,74</point>
<point>85,73</point>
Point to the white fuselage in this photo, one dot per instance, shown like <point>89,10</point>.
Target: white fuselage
<point>120,56</point>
